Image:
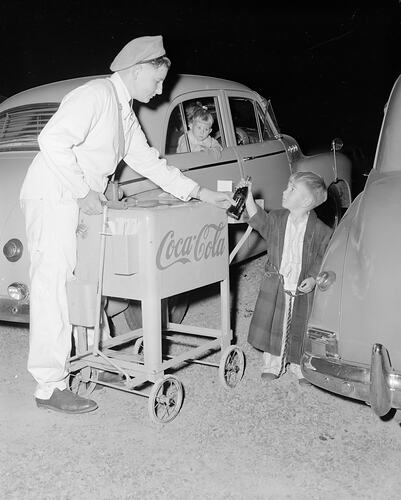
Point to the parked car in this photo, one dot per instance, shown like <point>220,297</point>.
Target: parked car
<point>353,345</point>
<point>244,125</point>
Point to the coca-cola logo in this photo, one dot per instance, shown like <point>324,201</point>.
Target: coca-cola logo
<point>207,244</point>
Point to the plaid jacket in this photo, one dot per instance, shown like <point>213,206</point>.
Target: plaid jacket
<point>266,328</point>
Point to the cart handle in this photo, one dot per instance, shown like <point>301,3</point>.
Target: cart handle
<point>98,309</point>
<point>244,237</point>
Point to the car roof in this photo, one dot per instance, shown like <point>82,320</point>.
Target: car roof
<point>54,92</point>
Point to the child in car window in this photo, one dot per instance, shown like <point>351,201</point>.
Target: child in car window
<point>296,242</point>
<point>198,135</point>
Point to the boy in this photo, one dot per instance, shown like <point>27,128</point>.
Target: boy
<point>296,242</point>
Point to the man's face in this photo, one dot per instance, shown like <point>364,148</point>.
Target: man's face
<point>146,81</point>
<point>200,129</point>
<point>296,196</point>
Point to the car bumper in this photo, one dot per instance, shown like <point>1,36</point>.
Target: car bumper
<point>13,310</point>
<point>378,384</point>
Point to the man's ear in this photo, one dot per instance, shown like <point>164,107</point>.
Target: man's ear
<point>135,71</point>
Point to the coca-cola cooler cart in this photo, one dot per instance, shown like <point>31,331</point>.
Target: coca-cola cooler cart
<point>149,254</point>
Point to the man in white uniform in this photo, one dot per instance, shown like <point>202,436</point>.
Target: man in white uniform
<point>93,129</point>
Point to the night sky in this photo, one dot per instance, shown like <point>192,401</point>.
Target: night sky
<point>328,70</point>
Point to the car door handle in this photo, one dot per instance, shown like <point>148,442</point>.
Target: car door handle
<point>247,158</point>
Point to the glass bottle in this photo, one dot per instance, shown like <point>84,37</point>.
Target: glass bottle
<point>239,197</point>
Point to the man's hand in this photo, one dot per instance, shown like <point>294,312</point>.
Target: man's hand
<point>307,285</point>
<point>219,198</point>
<point>92,203</point>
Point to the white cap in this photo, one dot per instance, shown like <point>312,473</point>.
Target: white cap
<point>138,50</point>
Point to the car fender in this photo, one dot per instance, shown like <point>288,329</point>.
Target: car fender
<point>326,308</point>
<point>329,169</point>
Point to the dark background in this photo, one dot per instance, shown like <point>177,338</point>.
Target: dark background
<point>327,67</point>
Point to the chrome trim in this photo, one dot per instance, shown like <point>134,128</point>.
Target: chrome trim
<point>16,246</point>
<point>380,395</point>
<point>20,126</point>
<point>22,289</point>
<point>14,310</point>
<point>378,385</point>
<point>317,334</point>
<point>325,279</point>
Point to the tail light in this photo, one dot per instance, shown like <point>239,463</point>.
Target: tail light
<point>321,343</point>
<point>13,250</point>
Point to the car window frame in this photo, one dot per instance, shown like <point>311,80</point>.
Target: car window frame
<point>229,124</point>
<point>193,96</point>
<point>255,116</point>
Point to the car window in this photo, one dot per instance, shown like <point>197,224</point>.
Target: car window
<point>249,121</point>
<point>177,139</point>
<point>20,127</point>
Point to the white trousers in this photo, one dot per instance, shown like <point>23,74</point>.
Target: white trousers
<point>271,363</point>
<point>51,233</point>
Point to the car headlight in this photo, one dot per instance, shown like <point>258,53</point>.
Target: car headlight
<point>325,279</point>
<point>18,291</point>
<point>13,250</point>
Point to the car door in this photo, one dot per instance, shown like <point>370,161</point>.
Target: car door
<point>207,167</point>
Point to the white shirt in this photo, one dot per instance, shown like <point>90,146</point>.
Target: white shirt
<point>291,261</point>
<point>79,147</point>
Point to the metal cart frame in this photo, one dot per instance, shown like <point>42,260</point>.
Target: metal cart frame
<point>146,363</point>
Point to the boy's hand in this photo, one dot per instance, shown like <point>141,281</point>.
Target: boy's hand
<point>307,285</point>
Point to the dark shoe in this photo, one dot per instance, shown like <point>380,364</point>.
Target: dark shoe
<point>109,378</point>
<point>66,402</point>
<point>267,376</point>
<point>303,382</point>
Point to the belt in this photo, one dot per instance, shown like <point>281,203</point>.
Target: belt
<point>272,270</point>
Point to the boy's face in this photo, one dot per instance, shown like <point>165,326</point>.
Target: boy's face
<point>200,129</point>
<point>296,196</point>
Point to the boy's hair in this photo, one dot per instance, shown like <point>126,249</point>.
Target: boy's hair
<point>314,183</point>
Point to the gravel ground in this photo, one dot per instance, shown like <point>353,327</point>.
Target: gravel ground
<point>260,440</point>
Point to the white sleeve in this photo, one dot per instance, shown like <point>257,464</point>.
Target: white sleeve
<point>69,127</point>
<point>146,161</point>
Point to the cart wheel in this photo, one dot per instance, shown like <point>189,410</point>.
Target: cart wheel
<point>138,346</point>
<point>165,399</point>
<point>83,382</point>
<point>231,367</point>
